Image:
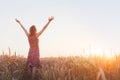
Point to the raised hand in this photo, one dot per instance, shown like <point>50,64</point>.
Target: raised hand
<point>17,20</point>
<point>45,26</point>
<point>22,27</point>
<point>51,18</point>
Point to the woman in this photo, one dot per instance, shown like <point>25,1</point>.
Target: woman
<point>33,56</point>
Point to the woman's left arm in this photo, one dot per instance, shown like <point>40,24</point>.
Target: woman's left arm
<point>46,25</point>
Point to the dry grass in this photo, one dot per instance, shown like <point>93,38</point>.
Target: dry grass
<point>61,68</point>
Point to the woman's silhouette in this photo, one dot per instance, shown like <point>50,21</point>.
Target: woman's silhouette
<point>33,60</point>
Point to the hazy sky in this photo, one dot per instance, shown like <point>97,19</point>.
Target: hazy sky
<point>77,24</point>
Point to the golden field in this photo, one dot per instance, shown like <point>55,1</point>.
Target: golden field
<point>13,67</point>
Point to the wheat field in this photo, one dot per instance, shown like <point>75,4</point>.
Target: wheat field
<point>61,68</point>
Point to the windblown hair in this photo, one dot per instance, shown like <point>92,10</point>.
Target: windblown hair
<point>32,30</point>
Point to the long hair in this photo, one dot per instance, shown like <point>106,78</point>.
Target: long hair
<point>32,30</point>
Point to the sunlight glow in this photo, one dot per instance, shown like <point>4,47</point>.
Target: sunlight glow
<point>97,52</point>
<point>102,53</point>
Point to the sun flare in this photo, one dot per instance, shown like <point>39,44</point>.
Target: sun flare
<point>102,53</point>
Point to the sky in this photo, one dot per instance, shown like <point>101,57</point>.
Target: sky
<point>78,26</point>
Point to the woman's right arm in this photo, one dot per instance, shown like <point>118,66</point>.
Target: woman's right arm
<point>27,34</point>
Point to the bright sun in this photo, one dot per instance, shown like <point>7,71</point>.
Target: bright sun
<point>102,53</point>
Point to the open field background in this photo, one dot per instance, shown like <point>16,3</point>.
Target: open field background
<point>12,67</point>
